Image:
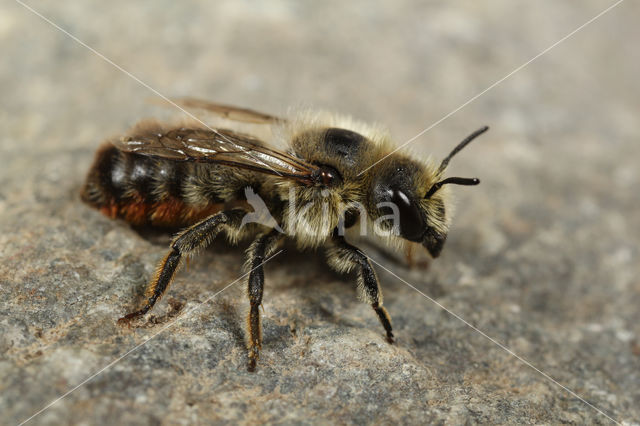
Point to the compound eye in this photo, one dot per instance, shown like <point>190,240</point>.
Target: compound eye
<point>412,225</point>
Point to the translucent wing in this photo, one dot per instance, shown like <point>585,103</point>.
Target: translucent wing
<point>227,111</point>
<point>219,146</point>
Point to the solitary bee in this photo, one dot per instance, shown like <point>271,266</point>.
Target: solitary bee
<point>331,174</point>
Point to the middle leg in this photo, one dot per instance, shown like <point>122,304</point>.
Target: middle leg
<point>259,250</point>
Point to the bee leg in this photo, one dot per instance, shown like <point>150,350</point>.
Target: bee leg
<point>343,257</point>
<point>261,248</point>
<point>193,238</point>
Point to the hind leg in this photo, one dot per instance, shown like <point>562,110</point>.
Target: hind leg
<point>189,240</point>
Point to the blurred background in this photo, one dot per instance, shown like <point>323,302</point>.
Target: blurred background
<point>542,256</point>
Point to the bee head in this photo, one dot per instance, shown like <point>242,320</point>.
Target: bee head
<point>408,202</point>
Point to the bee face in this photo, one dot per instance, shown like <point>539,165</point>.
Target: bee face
<point>436,232</point>
<point>410,193</point>
<point>398,197</point>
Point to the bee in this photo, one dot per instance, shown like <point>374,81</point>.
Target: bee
<point>317,175</point>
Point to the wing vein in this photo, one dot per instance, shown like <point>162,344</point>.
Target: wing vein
<point>218,146</point>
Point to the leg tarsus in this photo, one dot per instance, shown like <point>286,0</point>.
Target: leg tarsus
<point>255,335</point>
<point>383,315</point>
<point>159,284</point>
<point>251,366</point>
<point>127,319</point>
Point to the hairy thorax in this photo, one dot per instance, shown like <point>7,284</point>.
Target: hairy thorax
<point>310,215</point>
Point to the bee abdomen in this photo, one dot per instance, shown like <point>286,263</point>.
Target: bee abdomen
<point>144,190</point>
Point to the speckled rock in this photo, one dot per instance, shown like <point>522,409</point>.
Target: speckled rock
<point>543,256</point>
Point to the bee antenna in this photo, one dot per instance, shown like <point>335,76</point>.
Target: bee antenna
<point>453,180</point>
<point>458,148</point>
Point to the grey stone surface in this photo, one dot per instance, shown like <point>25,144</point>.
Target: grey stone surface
<point>543,256</point>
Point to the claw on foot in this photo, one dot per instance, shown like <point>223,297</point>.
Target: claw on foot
<point>127,319</point>
<point>253,359</point>
<point>390,338</point>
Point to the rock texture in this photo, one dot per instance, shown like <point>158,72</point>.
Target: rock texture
<point>543,257</point>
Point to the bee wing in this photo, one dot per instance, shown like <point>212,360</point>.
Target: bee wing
<point>219,146</point>
<point>227,111</point>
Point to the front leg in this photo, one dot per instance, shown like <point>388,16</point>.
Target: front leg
<point>261,248</point>
<point>189,240</point>
<point>343,257</point>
